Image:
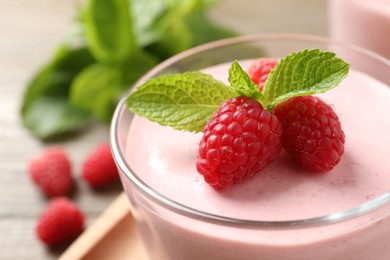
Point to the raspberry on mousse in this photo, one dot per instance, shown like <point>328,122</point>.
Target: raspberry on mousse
<point>260,69</point>
<point>311,132</point>
<point>240,140</point>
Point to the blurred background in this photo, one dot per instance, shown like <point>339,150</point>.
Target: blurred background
<point>277,16</point>
<point>30,32</point>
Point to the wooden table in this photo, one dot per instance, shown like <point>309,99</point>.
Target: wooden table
<point>29,32</point>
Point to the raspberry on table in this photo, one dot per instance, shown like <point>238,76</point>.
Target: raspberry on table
<point>260,69</point>
<point>51,172</point>
<point>99,168</point>
<point>240,140</point>
<point>312,132</point>
<point>60,222</point>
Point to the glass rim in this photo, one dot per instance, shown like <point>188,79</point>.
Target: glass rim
<point>187,211</point>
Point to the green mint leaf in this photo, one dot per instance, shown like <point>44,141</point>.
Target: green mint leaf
<point>241,83</point>
<point>95,89</point>
<point>135,66</point>
<point>51,117</point>
<point>98,87</point>
<point>174,25</point>
<point>174,35</point>
<point>204,30</point>
<point>55,77</point>
<point>183,101</point>
<point>188,7</point>
<point>52,82</point>
<point>144,29</point>
<point>109,29</point>
<point>303,73</point>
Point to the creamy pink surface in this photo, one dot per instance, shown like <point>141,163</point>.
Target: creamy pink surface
<point>165,160</point>
<point>362,22</point>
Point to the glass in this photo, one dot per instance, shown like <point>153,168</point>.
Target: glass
<point>171,230</point>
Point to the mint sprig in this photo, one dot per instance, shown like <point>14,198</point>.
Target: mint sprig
<point>187,101</point>
<point>111,43</point>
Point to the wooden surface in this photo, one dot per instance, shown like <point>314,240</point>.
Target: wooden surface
<point>29,32</point>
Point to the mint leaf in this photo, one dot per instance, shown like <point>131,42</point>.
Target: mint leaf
<point>303,73</point>
<point>52,82</point>
<point>50,117</point>
<point>183,101</point>
<point>98,87</point>
<point>134,67</point>
<point>144,30</point>
<point>175,25</point>
<point>204,30</point>
<point>95,89</point>
<point>109,29</point>
<point>54,78</point>
<point>241,83</point>
<point>174,35</point>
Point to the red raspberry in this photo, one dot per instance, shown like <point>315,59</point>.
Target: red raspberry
<point>99,167</point>
<point>51,172</point>
<point>240,140</point>
<point>60,222</point>
<point>260,69</point>
<point>311,132</point>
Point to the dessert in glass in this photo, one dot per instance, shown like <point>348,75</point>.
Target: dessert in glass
<point>282,212</point>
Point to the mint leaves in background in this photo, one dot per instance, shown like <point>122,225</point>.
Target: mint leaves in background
<point>186,101</point>
<point>108,28</point>
<point>115,42</point>
<point>46,110</point>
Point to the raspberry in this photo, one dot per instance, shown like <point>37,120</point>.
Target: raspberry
<point>240,140</point>
<point>259,70</point>
<point>51,172</point>
<point>99,168</point>
<point>311,132</point>
<point>60,222</point>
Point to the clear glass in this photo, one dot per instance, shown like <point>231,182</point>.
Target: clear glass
<point>171,230</point>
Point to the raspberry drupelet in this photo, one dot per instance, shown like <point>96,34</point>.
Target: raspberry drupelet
<point>312,132</point>
<point>240,140</point>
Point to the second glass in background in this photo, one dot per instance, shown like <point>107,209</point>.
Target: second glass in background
<point>365,23</point>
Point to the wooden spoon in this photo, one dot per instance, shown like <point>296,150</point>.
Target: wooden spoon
<point>112,236</point>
